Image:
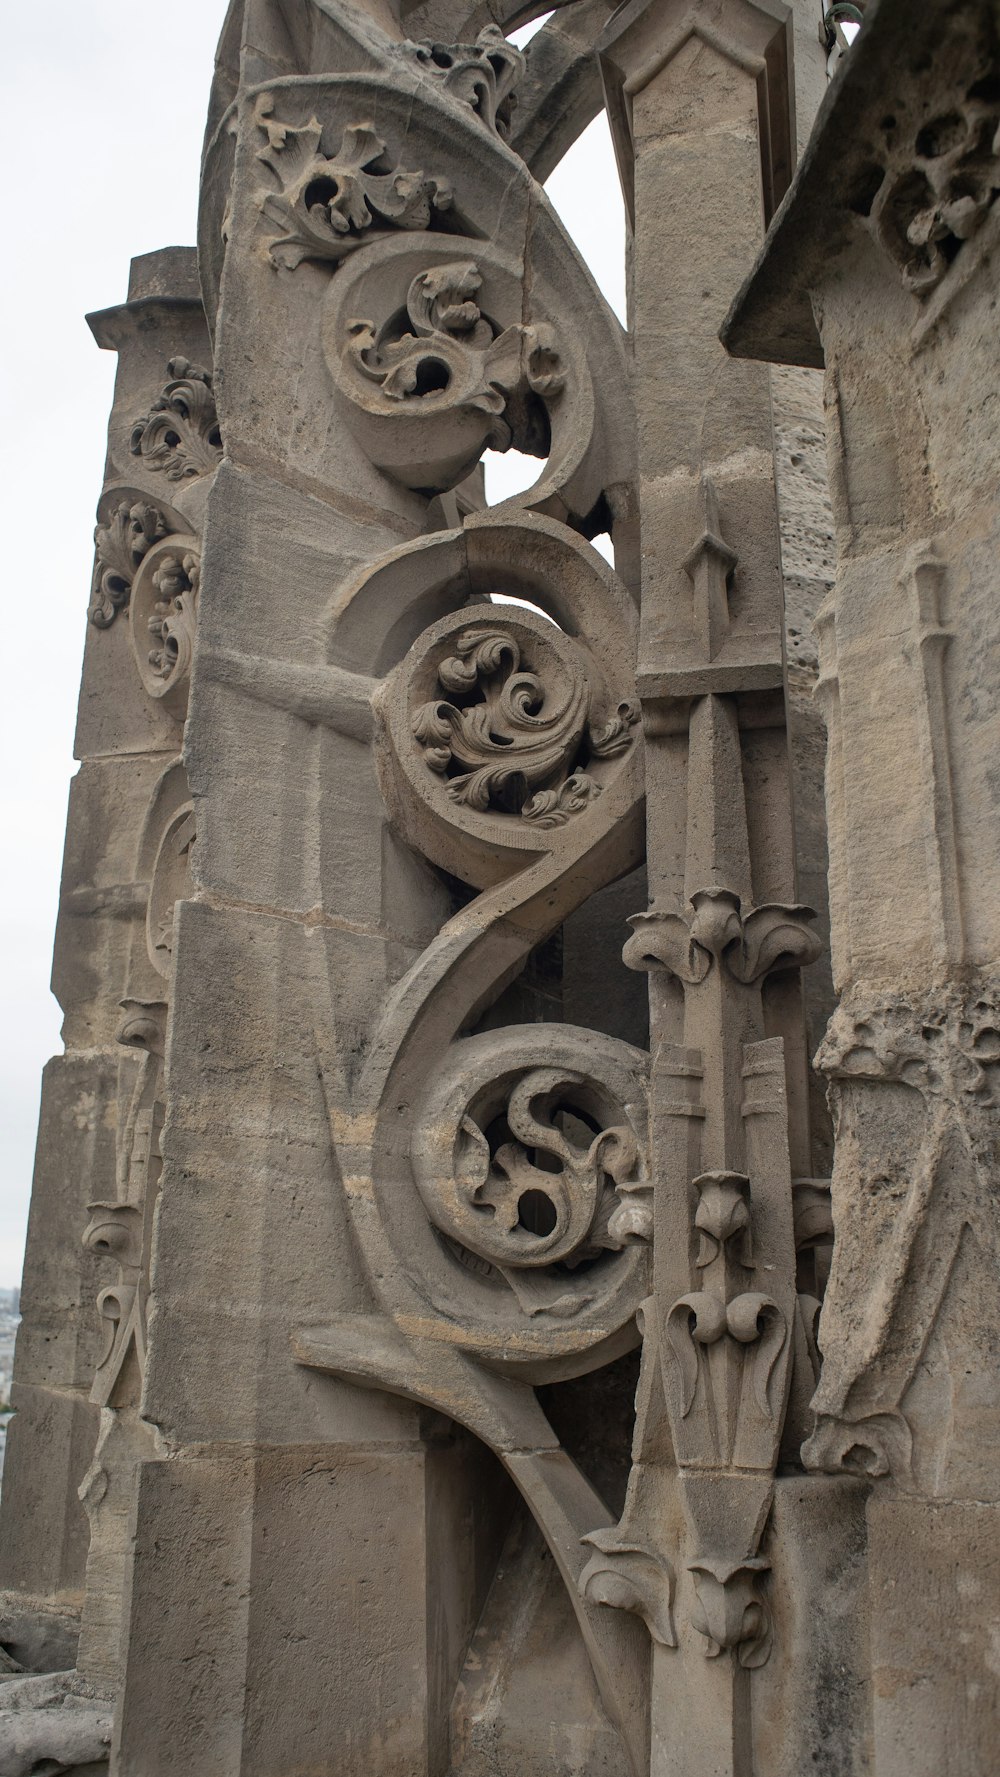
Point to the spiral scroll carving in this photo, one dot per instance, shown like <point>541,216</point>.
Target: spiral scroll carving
<point>506,726</point>
<point>517,740</point>
<point>535,1167</point>
<point>163,617</point>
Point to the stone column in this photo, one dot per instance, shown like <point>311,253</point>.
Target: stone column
<point>701,103</point>
<point>286,1601</point>
<point>887,271</point>
<point>125,740</point>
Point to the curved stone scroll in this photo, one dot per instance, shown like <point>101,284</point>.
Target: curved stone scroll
<point>501,728</point>
<point>530,1155</point>
<point>129,524</point>
<point>163,616</point>
<point>433,362</point>
<point>502,734</point>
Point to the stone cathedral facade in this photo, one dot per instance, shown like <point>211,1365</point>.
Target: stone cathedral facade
<point>513,1285</point>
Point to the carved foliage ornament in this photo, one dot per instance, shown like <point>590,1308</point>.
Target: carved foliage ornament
<point>121,542</point>
<point>730,1611</point>
<point>718,933</point>
<point>537,1170</point>
<point>509,739</point>
<point>180,434</point>
<point>163,619</point>
<point>118,1230</point>
<point>457,381</point>
<point>903,1206</point>
<point>630,1573</point>
<point>482,75</point>
<point>328,205</point>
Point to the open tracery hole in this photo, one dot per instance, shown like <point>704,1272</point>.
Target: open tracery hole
<point>584,190</point>
<point>508,598</point>
<point>320,192</point>
<point>940,136</point>
<point>523,34</point>
<point>508,473</point>
<point>432,377</point>
<point>536,1212</point>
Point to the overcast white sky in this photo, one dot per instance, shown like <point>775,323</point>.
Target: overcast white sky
<point>104,106</point>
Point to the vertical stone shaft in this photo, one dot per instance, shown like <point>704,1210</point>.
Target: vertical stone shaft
<point>124,740</point>
<point>700,112</point>
<point>905,323</point>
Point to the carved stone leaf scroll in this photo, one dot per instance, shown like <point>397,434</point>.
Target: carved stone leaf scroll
<point>328,205</point>
<point>536,1169</point>
<point>510,739</point>
<point>482,75</point>
<point>163,619</point>
<point>445,362</point>
<point>121,541</point>
<point>513,738</point>
<point>180,434</point>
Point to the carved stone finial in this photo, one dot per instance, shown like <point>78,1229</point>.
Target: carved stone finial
<point>723,1217</point>
<point>730,1611</point>
<point>749,946</point>
<point>631,1574</point>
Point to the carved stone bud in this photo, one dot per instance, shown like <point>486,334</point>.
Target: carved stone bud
<point>730,1612</point>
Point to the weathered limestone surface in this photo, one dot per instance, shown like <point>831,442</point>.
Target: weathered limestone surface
<point>445,1353</point>
<point>889,272</point>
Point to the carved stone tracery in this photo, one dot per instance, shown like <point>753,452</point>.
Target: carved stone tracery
<point>940,177</point>
<point>534,1167</point>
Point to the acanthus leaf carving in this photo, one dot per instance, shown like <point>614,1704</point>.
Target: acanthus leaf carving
<point>516,735</point>
<point>506,738</point>
<point>121,543</point>
<point>329,205</point>
<point>482,75</point>
<point>447,351</point>
<point>164,617</point>
<point>180,434</point>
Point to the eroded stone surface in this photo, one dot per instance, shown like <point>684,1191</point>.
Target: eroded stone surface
<point>444,926</point>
